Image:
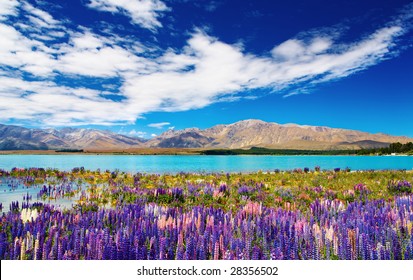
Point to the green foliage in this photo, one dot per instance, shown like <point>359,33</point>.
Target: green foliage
<point>295,188</point>
<point>265,151</point>
<point>393,148</point>
<point>397,148</point>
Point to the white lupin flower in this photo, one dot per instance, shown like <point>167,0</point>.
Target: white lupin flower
<point>28,214</point>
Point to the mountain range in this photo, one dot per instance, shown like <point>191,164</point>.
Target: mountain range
<point>20,138</point>
<point>242,134</point>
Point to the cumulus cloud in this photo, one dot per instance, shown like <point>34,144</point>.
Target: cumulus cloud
<point>206,70</point>
<point>159,125</point>
<point>141,12</point>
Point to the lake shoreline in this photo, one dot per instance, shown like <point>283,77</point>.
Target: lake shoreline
<point>171,152</point>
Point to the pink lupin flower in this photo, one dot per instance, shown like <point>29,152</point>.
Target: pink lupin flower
<point>216,251</point>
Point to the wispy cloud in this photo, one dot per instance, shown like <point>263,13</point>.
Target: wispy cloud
<point>8,8</point>
<point>206,70</point>
<point>137,133</point>
<point>211,6</point>
<point>159,125</point>
<point>208,6</point>
<point>220,70</point>
<point>141,12</point>
<point>39,17</point>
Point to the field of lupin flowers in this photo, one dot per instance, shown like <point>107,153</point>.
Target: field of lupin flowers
<point>298,214</point>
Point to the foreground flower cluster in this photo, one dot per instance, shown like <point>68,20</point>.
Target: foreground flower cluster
<point>157,226</point>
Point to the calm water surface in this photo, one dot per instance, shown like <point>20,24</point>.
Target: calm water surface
<point>13,190</point>
<point>202,163</point>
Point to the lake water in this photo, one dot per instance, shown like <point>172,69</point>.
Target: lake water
<point>202,163</point>
<point>12,190</point>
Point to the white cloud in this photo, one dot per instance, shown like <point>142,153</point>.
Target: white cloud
<point>141,12</point>
<point>292,48</point>
<point>46,20</point>
<point>296,49</point>
<point>205,71</point>
<point>56,105</point>
<point>319,45</point>
<point>136,133</point>
<point>18,51</point>
<point>8,8</point>
<point>103,62</point>
<point>159,125</point>
<point>219,71</point>
<point>87,41</point>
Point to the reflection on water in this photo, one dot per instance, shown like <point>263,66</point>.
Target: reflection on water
<point>14,190</point>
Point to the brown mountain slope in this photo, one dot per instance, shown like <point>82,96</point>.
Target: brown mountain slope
<point>243,134</point>
<point>256,133</point>
<point>20,138</point>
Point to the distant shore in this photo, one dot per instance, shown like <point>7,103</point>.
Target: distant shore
<point>143,151</point>
<point>189,151</point>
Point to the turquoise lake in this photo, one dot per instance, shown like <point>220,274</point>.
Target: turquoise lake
<point>202,163</point>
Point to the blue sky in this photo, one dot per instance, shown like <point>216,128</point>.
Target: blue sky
<point>140,67</point>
